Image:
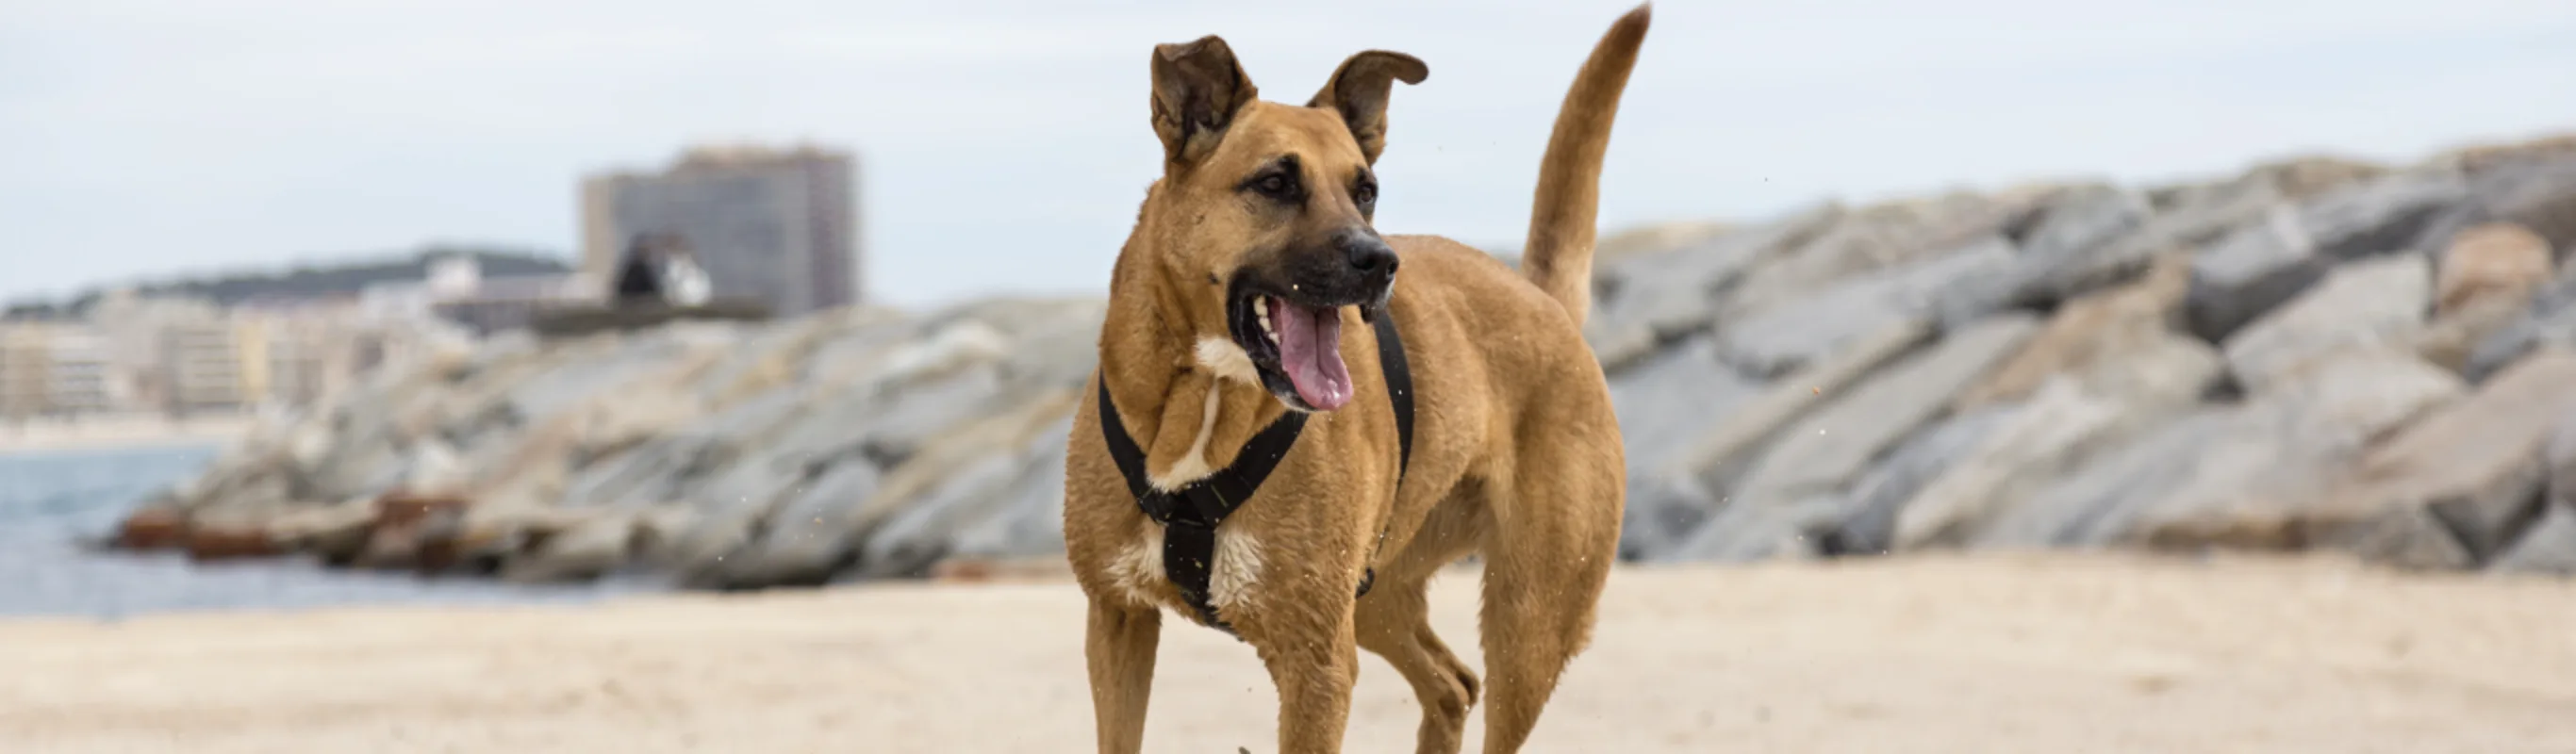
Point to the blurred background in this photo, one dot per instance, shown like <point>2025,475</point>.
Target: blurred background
<point>320,304</point>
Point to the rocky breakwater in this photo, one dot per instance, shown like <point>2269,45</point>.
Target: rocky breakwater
<point>2316,353</point>
<point>859,443</point>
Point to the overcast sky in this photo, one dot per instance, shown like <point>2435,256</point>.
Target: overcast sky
<point>1004,143</point>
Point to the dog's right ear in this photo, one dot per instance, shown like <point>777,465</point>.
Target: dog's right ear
<point>1197,89</point>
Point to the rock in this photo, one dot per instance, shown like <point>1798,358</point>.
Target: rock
<point>152,528</point>
<point>1790,397</point>
<point>2099,502</point>
<point>582,552</point>
<point>1868,525</point>
<point>2240,477</point>
<point>919,533</point>
<point>2113,344</point>
<point>412,532</point>
<point>335,532</point>
<point>2050,432</point>
<point>2559,457</point>
<point>1666,403</point>
<point>1655,237</point>
<point>1028,520</point>
<point>2549,321</point>
<point>1826,450</point>
<point>1744,533</point>
<point>1882,237</point>
<point>2250,271</point>
<point>2381,216</point>
<point>2499,260</point>
<point>2477,465</point>
<point>2364,305</point>
<point>2262,266</point>
<point>2549,547</point>
<point>1664,511</point>
<point>2539,195</point>
<point>2083,239</point>
<point>2488,277</point>
<point>2310,175</point>
<point>802,542</point>
<point>1791,335</point>
<point>215,542</point>
<point>1658,297</point>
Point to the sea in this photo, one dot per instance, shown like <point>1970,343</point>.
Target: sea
<point>55,504</point>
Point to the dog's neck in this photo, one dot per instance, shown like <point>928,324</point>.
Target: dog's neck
<point>1185,391</point>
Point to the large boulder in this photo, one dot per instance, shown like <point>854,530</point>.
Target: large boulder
<point>1793,334</point>
<point>2114,343</point>
<point>2251,270</point>
<point>1666,403</point>
<point>2476,467</point>
<point>2499,260</point>
<point>2055,429</point>
<point>2485,284</point>
<point>2244,476</point>
<point>1870,507</point>
<point>2081,239</point>
<point>1648,299</point>
<point>2261,266</point>
<point>2365,305</point>
<point>1827,449</point>
<point>2550,546</point>
<point>1881,237</point>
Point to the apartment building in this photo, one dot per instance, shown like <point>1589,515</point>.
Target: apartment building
<point>777,227</point>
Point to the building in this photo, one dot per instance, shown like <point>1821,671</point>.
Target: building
<point>54,370</point>
<point>775,227</point>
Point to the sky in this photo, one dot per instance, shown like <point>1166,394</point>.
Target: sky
<point>1004,143</point>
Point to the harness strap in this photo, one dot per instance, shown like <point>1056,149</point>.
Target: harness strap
<point>1191,514</point>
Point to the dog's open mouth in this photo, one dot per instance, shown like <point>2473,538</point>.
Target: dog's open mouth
<point>1297,348</point>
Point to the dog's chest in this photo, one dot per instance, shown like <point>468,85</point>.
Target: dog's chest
<point>1233,576</point>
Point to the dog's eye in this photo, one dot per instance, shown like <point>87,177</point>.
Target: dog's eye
<point>1273,184</point>
<point>1364,194</point>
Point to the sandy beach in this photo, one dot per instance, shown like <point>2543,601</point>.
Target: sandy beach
<point>116,433</point>
<point>1983,654</point>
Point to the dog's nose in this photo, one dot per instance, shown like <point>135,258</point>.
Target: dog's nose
<point>1369,255</point>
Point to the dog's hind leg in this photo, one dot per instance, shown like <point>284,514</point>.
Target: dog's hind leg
<point>1395,622</point>
<point>1119,643</point>
<point>1554,535</point>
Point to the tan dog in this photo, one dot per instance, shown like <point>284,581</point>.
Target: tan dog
<point>1246,292</point>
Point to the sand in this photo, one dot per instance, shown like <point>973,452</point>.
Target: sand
<point>1985,654</point>
<point>118,433</point>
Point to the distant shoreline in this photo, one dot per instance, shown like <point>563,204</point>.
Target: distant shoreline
<point>118,433</point>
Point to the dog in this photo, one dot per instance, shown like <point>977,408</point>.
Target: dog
<point>1254,294</point>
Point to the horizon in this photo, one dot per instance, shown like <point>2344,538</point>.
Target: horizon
<point>471,124</point>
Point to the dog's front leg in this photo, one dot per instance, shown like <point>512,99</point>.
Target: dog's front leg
<point>1314,662</point>
<point>1119,644</point>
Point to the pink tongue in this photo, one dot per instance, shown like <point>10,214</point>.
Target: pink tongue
<point>1310,348</point>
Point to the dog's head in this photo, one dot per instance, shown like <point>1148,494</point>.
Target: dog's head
<point>1264,211</point>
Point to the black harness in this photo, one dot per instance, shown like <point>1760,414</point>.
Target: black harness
<point>1190,515</point>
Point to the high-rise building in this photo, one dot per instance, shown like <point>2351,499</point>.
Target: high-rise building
<point>773,227</point>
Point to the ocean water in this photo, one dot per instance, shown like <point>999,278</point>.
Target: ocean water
<point>52,502</point>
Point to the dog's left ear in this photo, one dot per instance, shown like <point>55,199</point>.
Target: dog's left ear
<point>1359,89</point>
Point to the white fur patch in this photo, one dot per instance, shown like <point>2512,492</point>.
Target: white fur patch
<point>1227,360</point>
<point>1192,466</point>
<point>1230,581</point>
<point>1236,570</point>
<point>1141,566</point>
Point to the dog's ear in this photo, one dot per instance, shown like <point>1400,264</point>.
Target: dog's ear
<point>1197,89</point>
<point>1359,89</point>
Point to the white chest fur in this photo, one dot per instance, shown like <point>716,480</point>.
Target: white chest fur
<point>1231,579</point>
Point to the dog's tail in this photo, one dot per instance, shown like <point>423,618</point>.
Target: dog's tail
<point>1559,254</point>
